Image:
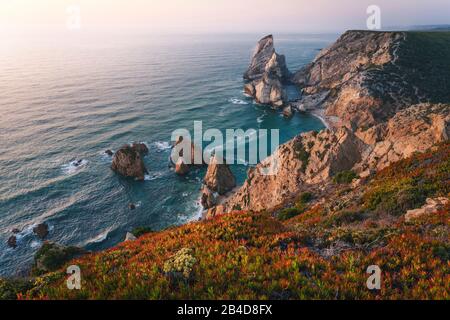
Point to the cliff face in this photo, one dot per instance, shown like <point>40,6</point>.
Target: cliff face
<point>366,77</point>
<point>367,86</point>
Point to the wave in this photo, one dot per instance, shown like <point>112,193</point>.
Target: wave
<point>237,101</point>
<point>153,176</point>
<point>162,145</point>
<point>99,238</point>
<point>74,166</point>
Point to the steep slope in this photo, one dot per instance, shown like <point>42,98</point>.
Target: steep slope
<point>322,252</point>
<point>367,84</point>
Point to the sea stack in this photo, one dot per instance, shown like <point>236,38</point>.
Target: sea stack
<point>266,74</point>
<point>128,161</point>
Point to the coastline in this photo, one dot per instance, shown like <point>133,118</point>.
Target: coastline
<point>320,114</point>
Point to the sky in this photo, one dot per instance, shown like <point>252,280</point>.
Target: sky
<point>219,16</point>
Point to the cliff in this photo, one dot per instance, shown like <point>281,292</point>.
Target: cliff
<point>376,94</point>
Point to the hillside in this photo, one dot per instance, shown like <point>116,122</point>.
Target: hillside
<point>312,250</point>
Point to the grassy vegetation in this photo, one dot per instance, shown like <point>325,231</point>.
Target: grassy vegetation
<point>345,177</point>
<point>302,155</point>
<point>319,254</point>
<point>425,55</point>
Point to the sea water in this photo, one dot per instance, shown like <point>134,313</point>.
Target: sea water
<point>66,99</point>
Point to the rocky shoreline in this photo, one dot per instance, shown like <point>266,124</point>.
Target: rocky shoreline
<point>365,90</point>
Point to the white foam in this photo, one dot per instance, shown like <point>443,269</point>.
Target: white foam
<point>237,101</point>
<point>162,145</point>
<point>260,119</point>
<point>74,166</point>
<point>100,237</point>
<point>35,244</point>
<point>153,176</point>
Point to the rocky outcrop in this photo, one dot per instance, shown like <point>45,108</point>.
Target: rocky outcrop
<point>219,180</point>
<point>184,162</point>
<point>366,77</point>
<point>432,206</point>
<point>130,237</point>
<point>51,256</point>
<point>219,177</point>
<point>128,161</point>
<point>369,96</point>
<point>310,158</point>
<point>209,199</point>
<point>414,129</point>
<point>267,73</point>
<point>266,61</point>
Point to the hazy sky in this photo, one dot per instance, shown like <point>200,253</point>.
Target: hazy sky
<point>191,16</point>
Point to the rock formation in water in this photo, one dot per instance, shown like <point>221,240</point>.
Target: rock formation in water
<point>128,161</point>
<point>219,180</point>
<point>185,162</point>
<point>266,74</point>
<point>370,98</point>
<point>219,177</point>
<point>41,230</point>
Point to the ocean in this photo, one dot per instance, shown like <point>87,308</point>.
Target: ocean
<point>64,99</point>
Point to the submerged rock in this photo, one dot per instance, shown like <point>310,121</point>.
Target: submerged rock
<point>128,161</point>
<point>219,177</point>
<point>109,153</point>
<point>131,206</point>
<point>41,230</point>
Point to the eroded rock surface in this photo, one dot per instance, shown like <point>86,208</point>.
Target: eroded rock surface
<point>267,73</point>
<point>379,109</point>
<point>128,161</point>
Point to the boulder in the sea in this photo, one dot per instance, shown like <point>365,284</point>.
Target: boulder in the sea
<point>208,199</point>
<point>128,161</point>
<point>12,242</point>
<point>41,230</point>
<point>179,152</point>
<point>288,112</point>
<point>15,231</point>
<point>109,153</point>
<point>181,168</point>
<point>131,206</point>
<point>51,257</point>
<point>219,177</point>
<point>130,237</point>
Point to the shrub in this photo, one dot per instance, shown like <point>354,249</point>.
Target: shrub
<point>345,177</point>
<point>181,263</point>
<point>140,231</point>
<point>302,155</point>
<point>289,213</point>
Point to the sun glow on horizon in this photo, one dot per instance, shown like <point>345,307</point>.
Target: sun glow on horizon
<point>220,15</point>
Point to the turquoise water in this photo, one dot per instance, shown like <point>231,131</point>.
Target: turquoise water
<point>71,98</point>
